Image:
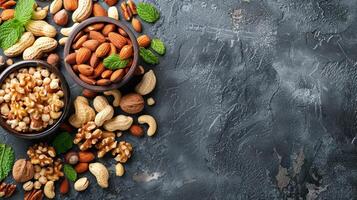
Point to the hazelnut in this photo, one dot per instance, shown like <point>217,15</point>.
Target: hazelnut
<point>22,171</point>
<point>72,158</point>
<point>53,59</point>
<point>132,103</point>
<point>61,18</point>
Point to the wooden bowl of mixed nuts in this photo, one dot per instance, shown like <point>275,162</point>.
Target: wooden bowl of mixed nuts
<point>34,99</point>
<point>101,54</point>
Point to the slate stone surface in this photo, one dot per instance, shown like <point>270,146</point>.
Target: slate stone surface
<point>255,100</point>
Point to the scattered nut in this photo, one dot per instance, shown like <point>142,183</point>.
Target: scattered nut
<point>22,171</point>
<point>72,158</point>
<point>9,61</point>
<point>150,121</point>
<point>132,103</point>
<point>64,187</point>
<point>117,96</point>
<point>28,186</point>
<point>119,169</point>
<point>101,174</point>
<point>53,59</point>
<point>61,18</point>
<point>150,101</point>
<point>49,190</point>
<point>147,84</point>
<point>81,184</point>
<point>136,130</point>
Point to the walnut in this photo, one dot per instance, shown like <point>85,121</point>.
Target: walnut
<point>132,103</point>
<point>41,154</point>
<point>107,144</point>
<point>48,173</point>
<point>6,190</point>
<point>22,171</point>
<point>89,134</point>
<point>123,152</point>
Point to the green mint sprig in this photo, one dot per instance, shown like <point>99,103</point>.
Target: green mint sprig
<point>148,56</point>
<point>70,173</point>
<point>12,30</point>
<point>158,46</point>
<point>62,142</point>
<point>114,62</point>
<point>148,12</point>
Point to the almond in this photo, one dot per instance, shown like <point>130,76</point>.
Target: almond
<point>122,32</point>
<point>113,49</point>
<point>136,130</point>
<point>108,28</point>
<point>86,156</point>
<point>81,167</point>
<point>75,68</point>
<point>107,73</point>
<point>126,52</point>
<point>91,44</point>
<point>70,5</point>
<point>83,55</point>
<point>86,79</point>
<point>64,187</point>
<point>118,40</point>
<point>80,42</point>
<point>99,11</point>
<point>85,69</point>
<point>61,18</point>
<point>94,35</point>
<point>99,70</point>
<point>89,93</point>
<point>94,27</point>
<point>144,41</point>
<point>71,58</point>
<point>103,82</point>
<point>136,25</point>
<point>102,50</point>
<point>111,2</point>
<point>7,14</point>
<point>117,75</point>
<point>94,60</point>
<point>79,35</point>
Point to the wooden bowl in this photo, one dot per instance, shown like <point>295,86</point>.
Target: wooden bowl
<point>127,76</point>
<point>66,99</point>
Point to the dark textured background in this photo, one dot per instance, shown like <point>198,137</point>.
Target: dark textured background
<point>256,99</point>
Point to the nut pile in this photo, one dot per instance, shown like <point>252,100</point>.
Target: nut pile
<point>95,43</point>
<point>31,99</point>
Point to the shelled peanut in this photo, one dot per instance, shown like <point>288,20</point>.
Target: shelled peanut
<point>90,49</point>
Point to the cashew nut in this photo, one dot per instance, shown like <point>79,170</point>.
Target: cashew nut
<point>63,41</point>
<point>119,169</point>
<point>117,96</point>
<point>101,174</point>
<point>49,190</point>
<point>83,112</point>
<point>81,184</point>
<point>113,12</point>
<point>147,84</point>
<point>118,123</point>
<point>150,121</point>
<point>99,103</point>
<point>104,115</point>
<point>68,31</point>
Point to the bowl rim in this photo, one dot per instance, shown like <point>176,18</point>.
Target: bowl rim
<point>69,43</point>
<point>66,98</point>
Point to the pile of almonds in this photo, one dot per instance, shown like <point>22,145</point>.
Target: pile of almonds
<point>92,45</point>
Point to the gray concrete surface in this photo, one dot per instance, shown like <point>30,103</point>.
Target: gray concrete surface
<point>256,99</point>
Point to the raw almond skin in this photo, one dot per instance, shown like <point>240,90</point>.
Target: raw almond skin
<point>71,58</point>
<point>94,35</point>
<point>64,187</point>
<point>81,167</point>
<point>117,75</point>
<point>83,55</point>
<point>80,42</point>
<point>118,40</point>
<point>102,50</point>
<point>94,60</point>
<point>91,44</point>
<point>122,32</point>
<point>108,28</point>
<point>104,82</point>
<point>107,73</point>
<point>87,79</point>
<point>99,70</point>
<point>70,5</point>
<point>113,49</point>
<point>94,27</point>
<point>126,52</point>
<point>144,41</point>
<point>85,69</point>
<point>86,156</point>
<point>99,11</point>
<point>136,25</point>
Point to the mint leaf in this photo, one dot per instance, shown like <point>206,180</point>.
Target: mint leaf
<point>148,12</point>
<point>62,142</point>
<point>158,46</point>
<point>23,11</point>
<point>148,56</point>
<point>7,158</point>
<point>70,173</point>
<point>114,62</point>
<point>10,33</point>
